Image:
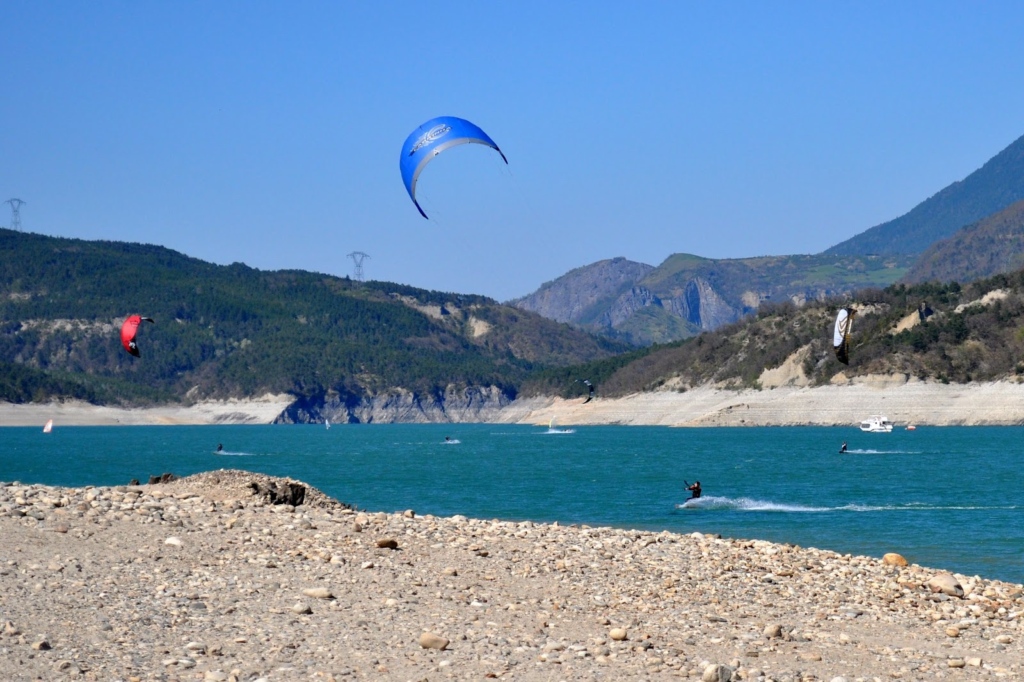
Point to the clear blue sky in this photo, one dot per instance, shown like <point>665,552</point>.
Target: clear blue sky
<point>269,133</point>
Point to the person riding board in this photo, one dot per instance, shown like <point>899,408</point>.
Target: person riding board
<point>694,489</point>
<point>842,449</point>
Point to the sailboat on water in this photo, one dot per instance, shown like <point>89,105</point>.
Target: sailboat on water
<point>327,422</point>
<point>48,427</point>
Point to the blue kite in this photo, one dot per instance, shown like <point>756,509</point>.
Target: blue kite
<point>432,138</point>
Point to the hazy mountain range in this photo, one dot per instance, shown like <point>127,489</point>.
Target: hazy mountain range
<point>968,230</point>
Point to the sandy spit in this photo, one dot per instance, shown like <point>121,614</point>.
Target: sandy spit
<point>201,579</point>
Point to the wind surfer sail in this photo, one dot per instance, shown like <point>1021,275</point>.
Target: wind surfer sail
<point>841,336</point>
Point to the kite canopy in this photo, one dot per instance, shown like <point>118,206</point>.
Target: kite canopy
<point>590,396</point>
<point>432,138</point>
<point>128,331</point>
<point>841,336</point>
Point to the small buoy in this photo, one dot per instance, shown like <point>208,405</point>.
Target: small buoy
<point>911,427</point>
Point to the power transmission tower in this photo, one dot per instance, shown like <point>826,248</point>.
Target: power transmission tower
<point>16,205</point>
<point>357,258</point>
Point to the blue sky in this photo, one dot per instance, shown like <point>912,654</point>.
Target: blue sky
<point>269,133</point>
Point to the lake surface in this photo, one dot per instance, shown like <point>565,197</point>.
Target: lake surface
<point>946,497</point>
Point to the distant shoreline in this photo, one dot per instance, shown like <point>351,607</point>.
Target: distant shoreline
<point>903,401</point>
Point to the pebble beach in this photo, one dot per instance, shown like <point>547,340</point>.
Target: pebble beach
<point>212,578</point>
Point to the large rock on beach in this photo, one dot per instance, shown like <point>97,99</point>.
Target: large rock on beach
<point>945,583</point>
<point>428,640</point>
<point>280,492</point>
<point>894,559</point>
<point>717,672</point>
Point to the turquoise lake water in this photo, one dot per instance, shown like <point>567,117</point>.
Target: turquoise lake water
<point>943,497</point>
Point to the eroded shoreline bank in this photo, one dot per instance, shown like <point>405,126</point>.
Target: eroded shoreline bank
<point>903,401</point>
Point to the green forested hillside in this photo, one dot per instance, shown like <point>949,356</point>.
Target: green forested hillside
<point>988,247</point>
<point>235,331</point>
<point>976,333</point>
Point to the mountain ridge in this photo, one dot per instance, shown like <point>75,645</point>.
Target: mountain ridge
<point>998,183</point>
<point>988,247</point>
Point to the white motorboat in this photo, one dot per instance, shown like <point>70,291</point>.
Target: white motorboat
<point>876,424</point>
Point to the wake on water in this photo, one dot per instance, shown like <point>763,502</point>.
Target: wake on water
<point>550,431</point>
<point>744,504</point>
<point>881,452</point>
<point>228,453</point>
<point>749,504</point>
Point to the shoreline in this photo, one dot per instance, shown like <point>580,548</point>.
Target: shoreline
<point>903,401</point>
<point>200,578</point>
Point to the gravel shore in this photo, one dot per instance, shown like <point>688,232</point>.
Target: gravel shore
<point>204,578</point>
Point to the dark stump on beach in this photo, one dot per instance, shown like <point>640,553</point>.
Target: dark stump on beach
<point>280,493</point>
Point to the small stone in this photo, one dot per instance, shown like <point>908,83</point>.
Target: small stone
<point>428,640</point>
<point>717,672</point>
<point>61,528</point>
<point>301,609</point>
<point>215,676</point>
<point>66,666</point>
<point>450,571</point>
<point>196,648</point>
<point>409,514</point>
<point>357,527</point>
<point>390,602</point>
<point>41,645</point>
<point>952,631</point>
<point>366,564</point>
<point>10,630</point>
<point>176,542</point>
<point>318,593</point>
<point>956,663</point>
<point>1004,639</point>
<point>973,661</point>
<point>810,656</point>
<point>894,559</point>
<point>618,634</point>
<point>387,543</point>
<point>773,631</point>
<point>946,584</point>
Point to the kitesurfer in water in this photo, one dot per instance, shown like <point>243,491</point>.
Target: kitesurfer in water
<point>842,449</point>
<point>694,489</point>
<point>220,447</point>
